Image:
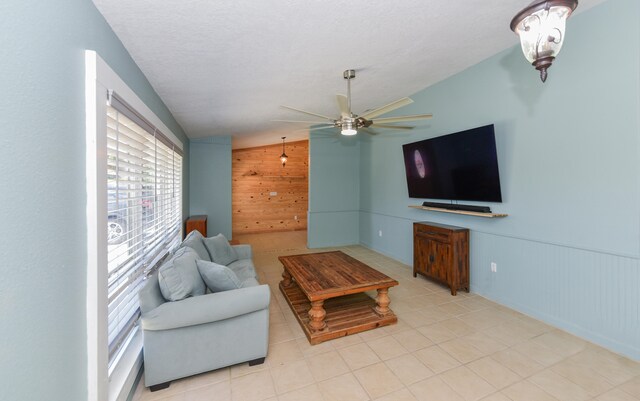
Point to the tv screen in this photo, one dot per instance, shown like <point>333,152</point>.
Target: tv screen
<point>459,166</point>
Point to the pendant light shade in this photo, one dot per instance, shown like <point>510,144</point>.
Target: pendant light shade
<point>283,156</point>
<point>541,27</point>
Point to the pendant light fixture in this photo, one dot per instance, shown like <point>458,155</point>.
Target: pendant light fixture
<point>541,27</point>
<point>283,156</point>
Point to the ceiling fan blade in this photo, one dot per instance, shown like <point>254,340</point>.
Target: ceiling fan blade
<point>402,118</point>
<point>387,108</point>
<point>316,128</point>
<point>343,105</point>
<point>368,131</point>
<point>301,121</point>
<point>389,126</point>
<point>308,112</point>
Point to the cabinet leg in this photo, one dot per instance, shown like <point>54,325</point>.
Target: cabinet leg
<point>382,302</point>
<point>255,362</point>
<point>316,316</point>
<point>453,291</point>
<point>286,278</point>
<point>160,386</point>
<point>415,274</point>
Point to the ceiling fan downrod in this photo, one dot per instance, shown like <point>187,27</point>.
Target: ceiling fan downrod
<point>348,74</point>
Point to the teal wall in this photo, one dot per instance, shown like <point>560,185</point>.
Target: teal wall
<point>334,200</point>
<point>43,197</point>
<point>569,162</point>
<point>210,187</point>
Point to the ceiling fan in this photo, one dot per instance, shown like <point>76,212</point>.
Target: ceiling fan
<point>350,124</point>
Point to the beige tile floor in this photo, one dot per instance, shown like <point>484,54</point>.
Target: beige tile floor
<point>443,348</point>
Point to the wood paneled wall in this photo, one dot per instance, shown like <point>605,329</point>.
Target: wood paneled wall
<point>257,173</point>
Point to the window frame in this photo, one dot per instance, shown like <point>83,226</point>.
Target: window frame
<point>99,80</point>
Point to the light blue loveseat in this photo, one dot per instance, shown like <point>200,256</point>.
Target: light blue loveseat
<point>203,332</point>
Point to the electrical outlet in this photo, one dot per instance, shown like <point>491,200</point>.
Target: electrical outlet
<point>494,267</point>
<point>379,233</point>
<point>273,194</point>
<point>295,218</point>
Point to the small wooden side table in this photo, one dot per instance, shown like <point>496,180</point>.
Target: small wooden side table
<point>196,223</point>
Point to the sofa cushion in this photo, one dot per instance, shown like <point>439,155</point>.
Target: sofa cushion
<point>205,309</point>
<point>220,250</point>
<point>218,277</point>
<point>250,282</point>
<point>243,268</point>
<point>243,251</point>
<point>195,241</point>
<point>179,278</point>
<point>150,296</point>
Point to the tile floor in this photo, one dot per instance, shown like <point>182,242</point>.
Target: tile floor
<point>443,348</point>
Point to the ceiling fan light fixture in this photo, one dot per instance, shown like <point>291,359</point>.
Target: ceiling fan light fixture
<point>541,26</point>
<point>348,127</point>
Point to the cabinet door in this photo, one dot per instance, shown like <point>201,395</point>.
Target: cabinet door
<point>421,255</point>
<point>439,260</point>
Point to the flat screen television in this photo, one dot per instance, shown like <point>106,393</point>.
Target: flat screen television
<point>458,166</point>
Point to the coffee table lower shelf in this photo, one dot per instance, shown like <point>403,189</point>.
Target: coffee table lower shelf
<point>348,314</point>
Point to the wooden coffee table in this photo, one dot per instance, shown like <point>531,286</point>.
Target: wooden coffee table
<point>326,293</point>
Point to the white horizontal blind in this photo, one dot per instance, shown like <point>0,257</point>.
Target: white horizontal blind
<point>144,189</point>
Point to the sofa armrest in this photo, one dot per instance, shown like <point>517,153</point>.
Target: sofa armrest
<point>243,251</point>
<point>207,308</point>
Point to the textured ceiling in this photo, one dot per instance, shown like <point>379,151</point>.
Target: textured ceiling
<point>224,67</point>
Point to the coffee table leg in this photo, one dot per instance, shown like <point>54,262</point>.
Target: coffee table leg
<point>316,316</point>
<point>382,302</point>
<point>286,278</point>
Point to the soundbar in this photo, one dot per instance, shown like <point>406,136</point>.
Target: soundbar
<point>451,206</point>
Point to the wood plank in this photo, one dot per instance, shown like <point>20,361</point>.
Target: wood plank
<point>468,213</point>
<point>346,315</point>
<point>336,282</point>
<point>329,274</point>
<point>256,173</point>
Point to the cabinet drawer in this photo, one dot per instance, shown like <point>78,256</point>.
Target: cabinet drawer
<point>434,235</point>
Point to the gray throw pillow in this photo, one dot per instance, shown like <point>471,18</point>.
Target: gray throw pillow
<point>179,278</point>
<point>220,250</point>
<point>194,241</point>
<point>218,277</point>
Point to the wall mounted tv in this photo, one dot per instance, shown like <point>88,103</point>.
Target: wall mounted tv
<point>459,166</point>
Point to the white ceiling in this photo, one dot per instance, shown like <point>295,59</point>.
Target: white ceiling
<point>223,67</point>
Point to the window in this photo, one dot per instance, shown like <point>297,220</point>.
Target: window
<point>134,187</point>
<point>144,213</point>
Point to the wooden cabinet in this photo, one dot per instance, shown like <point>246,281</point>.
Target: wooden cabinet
<point>196,223</point>
<point>441,252</point>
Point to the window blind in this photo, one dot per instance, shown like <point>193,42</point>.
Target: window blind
<point>144,207</point>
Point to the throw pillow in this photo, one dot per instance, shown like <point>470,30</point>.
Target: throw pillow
<point>194,241</point>
<point>220,250</point>
<point>179,277</point>
<point>171,284</point>
<point>218,277</point>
